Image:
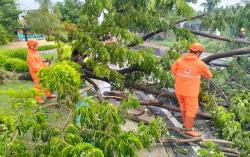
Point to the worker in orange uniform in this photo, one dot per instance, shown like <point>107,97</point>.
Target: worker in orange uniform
<point>187,71</point>
<point>35,63</point>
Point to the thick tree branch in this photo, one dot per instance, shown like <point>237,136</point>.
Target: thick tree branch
<point>204,34</point>
<point>128,70</point>
<point>193,18</point>
<point>235,52</point>
<point>177,109</point>
<point>155,102</point>
<point>67,120</point>
<point>151,90</point>
<point>90,74</point>
<point>97,89</point>
<point>149,35</point>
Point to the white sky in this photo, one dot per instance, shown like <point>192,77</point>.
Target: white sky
<point>31,4</point>
<point>224,3</point>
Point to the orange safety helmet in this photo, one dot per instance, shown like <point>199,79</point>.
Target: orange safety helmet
<point>196,47</point>
<point>32,43</point>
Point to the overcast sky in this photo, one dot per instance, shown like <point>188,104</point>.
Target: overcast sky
<point>31,4</point>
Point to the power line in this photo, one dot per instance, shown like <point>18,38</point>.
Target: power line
<point>24,6</point>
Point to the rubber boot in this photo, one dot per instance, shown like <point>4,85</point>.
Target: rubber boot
<point>39,100</point>
<point>188,124</point>
<point>49,95</point>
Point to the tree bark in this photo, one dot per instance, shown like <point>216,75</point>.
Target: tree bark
<point>177,109</point>
<point>235,52</point>
<point>193,18</point>
<point>98,91</point>
<point>204,34</point>
<point>151,90</point>
<point>155,102</point>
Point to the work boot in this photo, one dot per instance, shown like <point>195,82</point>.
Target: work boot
<point>188,124</point>
<point>51,96</point>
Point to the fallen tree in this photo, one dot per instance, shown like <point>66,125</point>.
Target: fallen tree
<point>211,36</point>
<point>231,53</point>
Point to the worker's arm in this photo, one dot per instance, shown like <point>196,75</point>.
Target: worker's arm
<point>174,68</point>
<point>206,72</point>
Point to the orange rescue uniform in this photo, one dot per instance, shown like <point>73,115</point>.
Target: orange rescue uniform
<point>187,71</point>
<point>35,63</point>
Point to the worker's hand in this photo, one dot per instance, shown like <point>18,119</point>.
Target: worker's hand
<point>47,62</point>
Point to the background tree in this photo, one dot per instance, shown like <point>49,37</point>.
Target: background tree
<point>8,19</point>
<point>70,10</point>
<point>46,20</point>
<point>209,5</point>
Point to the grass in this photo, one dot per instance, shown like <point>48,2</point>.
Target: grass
<point>13,85</point>
<point>213,46</point>
<point>167,43</point>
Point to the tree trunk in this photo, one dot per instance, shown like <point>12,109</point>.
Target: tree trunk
<point>219,37</point>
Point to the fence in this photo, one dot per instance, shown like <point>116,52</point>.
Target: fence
<point>30,36</point>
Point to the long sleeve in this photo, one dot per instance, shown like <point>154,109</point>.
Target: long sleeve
<point>174,68</point>
<point>206,72</point>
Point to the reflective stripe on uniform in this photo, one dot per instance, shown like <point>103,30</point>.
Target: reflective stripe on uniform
<point>188,76</point>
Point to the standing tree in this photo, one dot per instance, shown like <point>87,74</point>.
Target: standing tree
<point>70,10</point>
<point>46,20</point>
<point>8,19</point>
<point>210,5</point>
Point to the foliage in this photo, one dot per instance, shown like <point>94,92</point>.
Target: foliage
<point>241,108</point>
<point>45,20</point>
<point>230,128</point>
<point>132,102</point>
<point>8,20</point>
<point>209,5</point>
<point>104,130</point>
<point>70,10</point>
<point>2,60</point>
<point>125,20</point>
<point>4,35</point>
<point>99,133</point>
<point>210,150</point>
<point>64,79</point>
<point>183,39</point>
<point>70,28</point>
<point>16,65</point>
<point>18,121</point>
<point>16,53</point>
<point>233,122</point>
<point>229,20</point>
<point>47,47</point>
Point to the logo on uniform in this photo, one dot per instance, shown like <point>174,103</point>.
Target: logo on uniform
<point>187,71</point>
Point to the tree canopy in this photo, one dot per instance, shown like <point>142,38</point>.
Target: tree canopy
<point>8,20</point>
<point>45,20</point>
<point>70,10</point>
